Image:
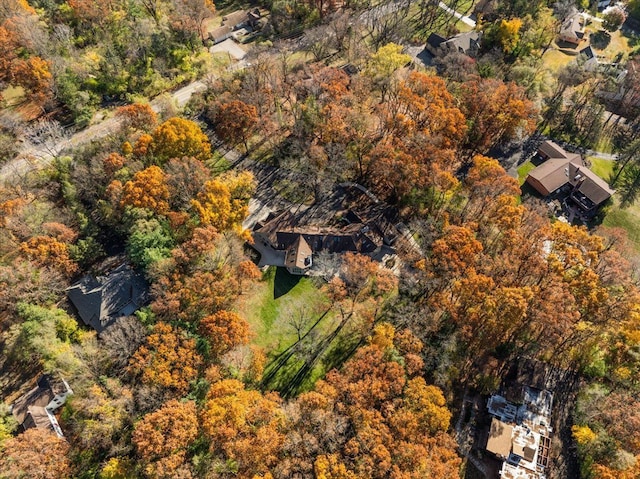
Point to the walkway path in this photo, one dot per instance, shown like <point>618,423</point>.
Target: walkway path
<point>600,154</point>
<point>31,157</point>
<point>466,20</point>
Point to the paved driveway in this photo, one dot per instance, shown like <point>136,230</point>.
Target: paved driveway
<point>231,47</point>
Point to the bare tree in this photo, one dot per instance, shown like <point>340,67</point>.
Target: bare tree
<point>299,317</point>
<point>122,338</point>
<point>341,25</point>
<point>46,139</point>
<point>318,42</point>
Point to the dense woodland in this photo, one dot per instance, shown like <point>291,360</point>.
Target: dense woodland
<point>178,390</point>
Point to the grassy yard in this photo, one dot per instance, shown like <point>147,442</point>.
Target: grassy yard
<point>601,167</point>
<point>271,306</point>
<point>606,45</point>
<point>554,60</point>
<point>627,219</point>
<point>523,171</point>
<point>13,95</point>
<point>290,316</point>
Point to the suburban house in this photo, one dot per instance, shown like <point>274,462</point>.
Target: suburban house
<point>36,408</point>
<point>566,172</point>
<point>572,29</point>
<point>624,86</point>
<point>100,300</point>
<point>298,242</point>
<point>233,22</point>
<point>467,43</point>
<point>588,59</point>
<point>520,434</point>
<point>347,221</point>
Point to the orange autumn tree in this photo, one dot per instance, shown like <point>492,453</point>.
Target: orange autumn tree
<point>396,424</point>
<point>224,330</point>
<point>168,359</point>
<point>235,121</point>
<point>34,75</point>
<point>148,189</point>
<point>422,103</point>
<point>192,297</point>
<point>162,439</point>
<point>196,281</point>
<point>495,112</point>
<point>35,453</point>
<point>9,44</point>
<point>138,116</point>
<point>244,426</point>
<point>48,251</point>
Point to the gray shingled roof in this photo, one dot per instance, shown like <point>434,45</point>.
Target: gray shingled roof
<point>463,42</point>
<point>435,40</point>
<point>100,301</point>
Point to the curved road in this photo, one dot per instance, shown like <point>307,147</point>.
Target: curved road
<point>33,157</point>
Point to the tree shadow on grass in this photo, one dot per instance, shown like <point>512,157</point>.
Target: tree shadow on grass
<point>284,282</point>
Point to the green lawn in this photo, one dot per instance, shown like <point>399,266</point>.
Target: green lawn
<point>274,304</point>
<point>601,167</point>
<point>523,171</point>
<point>290,316</point>
<point>293,322</point>
<point>628,219</point>
<point>554,60</point>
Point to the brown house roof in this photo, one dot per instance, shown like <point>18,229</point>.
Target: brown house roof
<point>554,173</point>
<point>572,28</point>
<point>557,172</point>
<point>283,231</point>
<point>235,18</point>
<point>298,254</point>
<point>47,387</point>
<point>499,442</point>
<point>37,417</point>
<point>552,150</point>
<point>594,187</point>
<point>220,32</point>
<point>37,397</point>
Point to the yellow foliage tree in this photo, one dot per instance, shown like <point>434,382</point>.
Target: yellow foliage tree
<point>168,359</point>
<point>244,426</point>
<point>508,34</point>
<point>583,434</point>
<point>177,138</point>
<point>163,436</point>
<point>224,202</point>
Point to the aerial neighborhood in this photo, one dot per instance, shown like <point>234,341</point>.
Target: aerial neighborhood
<point>302,239</point>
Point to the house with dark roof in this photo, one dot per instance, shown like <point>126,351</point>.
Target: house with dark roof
<point>572,29</point>
<point>36,408</point>
<point>100,300</point>
<point>300,241</point>
<point>467,43</point>
<point>350,219</point>
<point>564,170</point>
<point>588,59</point>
